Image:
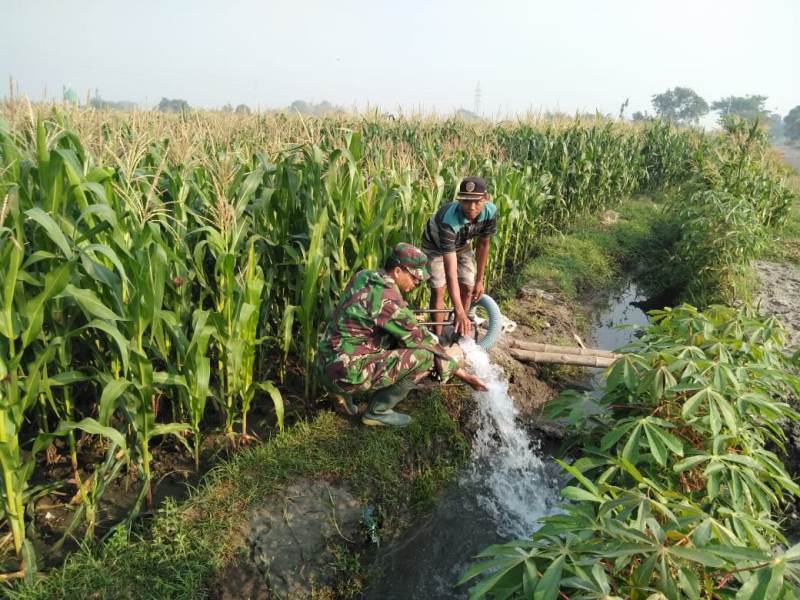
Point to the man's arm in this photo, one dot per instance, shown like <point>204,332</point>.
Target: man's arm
<point>460,319</point>
<point>481,258</point>
<point>400,322</point>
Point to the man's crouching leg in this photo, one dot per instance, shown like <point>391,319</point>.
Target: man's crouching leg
<point>404,368</point>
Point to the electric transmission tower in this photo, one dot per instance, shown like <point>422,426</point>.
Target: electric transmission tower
<point>478,95</point>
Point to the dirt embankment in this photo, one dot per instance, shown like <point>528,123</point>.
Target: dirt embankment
<point>780,295</point>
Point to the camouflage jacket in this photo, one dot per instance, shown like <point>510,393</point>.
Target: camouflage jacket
<point>372,317</point>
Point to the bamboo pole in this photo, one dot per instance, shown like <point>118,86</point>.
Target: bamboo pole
<point>562,358</point>
<point>549,348</point>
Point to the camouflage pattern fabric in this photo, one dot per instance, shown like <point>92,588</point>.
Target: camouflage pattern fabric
<point>373,340</point>
<point>411,258</point>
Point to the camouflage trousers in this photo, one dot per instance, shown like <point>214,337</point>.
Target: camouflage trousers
<point>377,371</point>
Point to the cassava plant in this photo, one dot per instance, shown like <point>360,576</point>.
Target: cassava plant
<point>675,492</point>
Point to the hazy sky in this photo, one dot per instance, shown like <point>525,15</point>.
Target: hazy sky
<point>563,55</point>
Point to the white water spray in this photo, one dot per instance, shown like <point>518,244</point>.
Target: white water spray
<point>517,487</point>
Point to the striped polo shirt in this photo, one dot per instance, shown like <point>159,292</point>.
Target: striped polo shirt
<point>449,230</point>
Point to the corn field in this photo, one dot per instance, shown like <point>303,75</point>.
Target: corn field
<point>160,274</point>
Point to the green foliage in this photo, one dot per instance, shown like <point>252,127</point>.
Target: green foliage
<point>791,123</point>
<point>680,105</point>
<point>725,215</point>
<point>720,235</point>
<point>746,107</point>
<point>675,489</point>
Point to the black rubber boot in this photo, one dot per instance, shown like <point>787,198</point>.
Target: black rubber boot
<point>380,408</point>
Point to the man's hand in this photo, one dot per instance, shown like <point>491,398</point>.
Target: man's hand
<point>475,382</point>
<point>477,292</point>
<point>461,323</point>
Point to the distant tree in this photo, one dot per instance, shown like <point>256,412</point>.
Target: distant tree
<point>300,106</point>
<point>175,105</point>
<point>747,107</point>
<point>791,124</point>
<point>243,109</point>
<point>640,116</point>
<point>317,110</point>
<point>227,108</point>
<point>775,125</point>
<point>680,105</point>
<point>100,104</point>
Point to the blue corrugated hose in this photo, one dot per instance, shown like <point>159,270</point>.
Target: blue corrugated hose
<point>494,325</point>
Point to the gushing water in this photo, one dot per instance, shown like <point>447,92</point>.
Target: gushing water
<point>517,488</point>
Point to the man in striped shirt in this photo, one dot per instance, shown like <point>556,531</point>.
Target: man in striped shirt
<point>453,264</point>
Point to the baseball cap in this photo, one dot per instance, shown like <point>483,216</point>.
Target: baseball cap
<point>471,188</point>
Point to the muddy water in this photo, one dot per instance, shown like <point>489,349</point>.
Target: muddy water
<point>616,323</point>
<point>500,496</point>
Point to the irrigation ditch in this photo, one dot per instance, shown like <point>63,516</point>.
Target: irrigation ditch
<point>508,483</point>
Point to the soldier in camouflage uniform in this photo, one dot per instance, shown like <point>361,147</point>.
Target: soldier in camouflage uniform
<point>373,343</point>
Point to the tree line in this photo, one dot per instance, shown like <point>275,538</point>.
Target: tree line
<point>684,106</point>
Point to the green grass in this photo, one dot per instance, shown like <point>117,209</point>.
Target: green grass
<point>591,255</point>
<point>178,553</point>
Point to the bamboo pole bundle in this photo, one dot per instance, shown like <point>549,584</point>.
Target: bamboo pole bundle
<point>562,358</point>
<point>549,348</point>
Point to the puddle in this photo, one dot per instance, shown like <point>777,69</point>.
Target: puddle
<point>616,324</point>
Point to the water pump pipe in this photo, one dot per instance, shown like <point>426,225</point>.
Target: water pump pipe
<point>493,322</point>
